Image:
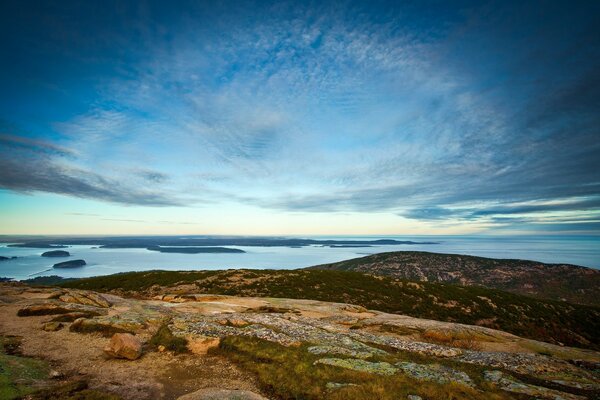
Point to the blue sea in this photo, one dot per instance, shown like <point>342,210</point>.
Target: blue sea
<point>578,250</point>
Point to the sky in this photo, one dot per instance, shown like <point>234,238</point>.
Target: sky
<point>300,118</point>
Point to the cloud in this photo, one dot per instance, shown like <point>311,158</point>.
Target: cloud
<point>464,114</point>
<point>33,168</point>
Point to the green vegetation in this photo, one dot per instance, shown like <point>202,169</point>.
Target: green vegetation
<point>26,377</point>
<point>291,373</point>
<point>18,374</point>
<point>546,320</point>
<point>136,281</point>
<point>164,337</point>
<point>74,390</point>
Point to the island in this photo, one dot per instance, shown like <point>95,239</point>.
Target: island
<point>194,250</point>
<point>38,245</point>
<point>70,264</point>
<point>56,253</point>
<point>143,242</point>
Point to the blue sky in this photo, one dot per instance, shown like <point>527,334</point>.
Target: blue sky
<point>299,117</point>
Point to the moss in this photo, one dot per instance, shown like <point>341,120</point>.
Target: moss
<point>164,337</point>
<point>18,375</point>
<point>76,390</point>
<point>291,373</point>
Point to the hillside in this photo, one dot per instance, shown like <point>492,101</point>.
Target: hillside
<point>550,281</point>
<point>550,321</point>
<point>74,344</point>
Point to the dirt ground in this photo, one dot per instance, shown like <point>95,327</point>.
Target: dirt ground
<point>153,376</point>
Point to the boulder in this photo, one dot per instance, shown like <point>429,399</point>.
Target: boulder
<point>378,368</point>
<point>124,345</point>
<point>107,326</point>
<point>87,298</point>
<point>52,326</point>
<point>221,394</point>
<point>201,344</point>
<point>434,373</point>
<point>42,309</point>
<point>513,385</point>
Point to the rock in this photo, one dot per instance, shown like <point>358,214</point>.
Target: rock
<point>42,309</point>
<point>379,368</point>
<point>52,326</point>
<point>87,298</point>
<point>434,372</point>
<point>161,348</point>
<point>52,307</point>
<point>56,253</point>
<point>336,385</point>
<point>342,351</point>
<point>238,323</point>
<point>54,374</point>
<point>201,344</point>
<point>124,345</point>
<point>109,325</point>
<point>72,316</point>
<point>221,394</point>
<point>510,384</point>
<point>70,264</point>
<point>414,397</point>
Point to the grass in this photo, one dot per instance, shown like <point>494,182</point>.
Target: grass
<point>164,337</point>
<point>546,320</point>
<point>26,377</point>
<point>290,373</point>
<point>464,340</point>
<point>18,374</point>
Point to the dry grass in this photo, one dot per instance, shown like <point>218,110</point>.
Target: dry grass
<point>463,340</point>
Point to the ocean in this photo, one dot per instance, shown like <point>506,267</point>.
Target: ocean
<point>578,250</point>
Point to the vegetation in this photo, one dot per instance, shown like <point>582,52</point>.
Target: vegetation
<point>164,337</point>
<point>291,373</point>
<point>551,321</point>
<point>17,374</point>
<point>531,278</point>
<point>137,281</point>
<point>26,377</point>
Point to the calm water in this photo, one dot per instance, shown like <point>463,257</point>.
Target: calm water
<point>578,250</point>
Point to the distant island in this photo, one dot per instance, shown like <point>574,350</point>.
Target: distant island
<point>144,242</point>
<point>38,245</point>
<point>56,253</point>
<point>194,250</point>
<point>70,264</point>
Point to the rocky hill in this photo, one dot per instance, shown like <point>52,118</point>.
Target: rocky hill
<point>550,321</point>
<point>181,344</point>
<point>550,281</point>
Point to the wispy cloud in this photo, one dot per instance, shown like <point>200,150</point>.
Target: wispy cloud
<point>480,114</point>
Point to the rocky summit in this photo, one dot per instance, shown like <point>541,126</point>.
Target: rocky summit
<point>201,346</point>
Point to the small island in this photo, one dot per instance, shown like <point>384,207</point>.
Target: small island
<point>70,264</point>
<point>56,253</point>
<point>194,250</point>
<point>38,245</point>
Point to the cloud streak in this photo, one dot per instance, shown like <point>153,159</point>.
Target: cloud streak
<point>480,113</point>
